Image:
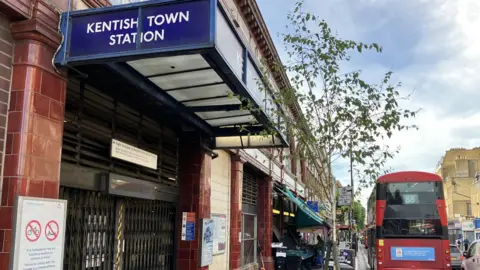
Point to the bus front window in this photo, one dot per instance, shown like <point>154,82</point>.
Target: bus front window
<point>411,210</point>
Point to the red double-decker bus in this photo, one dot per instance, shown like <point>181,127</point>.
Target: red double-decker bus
<point>407,223</point>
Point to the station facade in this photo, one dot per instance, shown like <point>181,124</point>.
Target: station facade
<point>140,134</point>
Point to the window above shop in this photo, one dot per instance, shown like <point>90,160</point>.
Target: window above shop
<point>188,57</point>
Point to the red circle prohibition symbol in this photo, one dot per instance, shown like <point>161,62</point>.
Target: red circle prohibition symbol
<point>51,230</point>
<point>33,230</point>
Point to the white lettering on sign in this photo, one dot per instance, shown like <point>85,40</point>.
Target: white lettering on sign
<point>132,24</point>
<point>133,154</point>
<point>39,233</point>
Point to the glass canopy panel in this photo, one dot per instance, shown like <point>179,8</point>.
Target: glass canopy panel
<point>201,92</point>
<point>187,79</point>
<point>164,65</point>
<point>253,85</point>
<point>245,119</point>
<point>213,102</point>
<point>228,45</point>
<point>221,114</point>
<point>271,109</point>
<point>247,141</point>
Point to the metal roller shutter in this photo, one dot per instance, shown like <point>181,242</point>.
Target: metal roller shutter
<point>92,119</point>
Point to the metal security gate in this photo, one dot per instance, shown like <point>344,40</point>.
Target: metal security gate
<point>149,238</point>
<point>92,228</point>
<point>95,218</point>
<point>89,237</point>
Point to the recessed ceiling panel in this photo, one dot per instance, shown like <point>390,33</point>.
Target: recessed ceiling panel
<point>221,114</point>
<point>200,92</point>
<point>187,79</point>
<point>231,121</point>
<point>163,65</point>
<point>213,101</point>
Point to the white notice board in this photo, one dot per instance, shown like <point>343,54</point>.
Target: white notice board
<point>219,233</point>
<point>39,233</point>
<point>206,243</point>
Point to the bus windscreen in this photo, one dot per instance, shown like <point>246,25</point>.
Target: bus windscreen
<point>411,210</point>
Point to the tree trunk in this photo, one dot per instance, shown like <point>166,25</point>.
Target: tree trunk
<point>327,256</point>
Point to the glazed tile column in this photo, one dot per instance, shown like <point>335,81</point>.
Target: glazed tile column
<point>35,118</point>
<point>265,224</point>
<point>194,183</point>
<point>236,211</point>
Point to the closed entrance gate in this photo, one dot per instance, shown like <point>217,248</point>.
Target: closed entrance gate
<point>93,222</point>
<point>105,230</point>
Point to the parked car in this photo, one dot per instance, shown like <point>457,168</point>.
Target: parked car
<point>471,257</point>
<point>457,257</point>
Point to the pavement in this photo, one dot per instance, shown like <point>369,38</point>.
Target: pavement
<point>361,262</point>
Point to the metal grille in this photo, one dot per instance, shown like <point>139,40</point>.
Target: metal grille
<point>89,236</point>
<point>91,230</point>
<point>92,119</point>
<point>149,235</point>
<point>249,188</point>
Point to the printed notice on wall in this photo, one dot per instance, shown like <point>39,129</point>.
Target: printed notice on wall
<point>219,233</point>
<point>206,248</point>
<point>188,226</point>
<point>133,154</point>
<point>39,233</point>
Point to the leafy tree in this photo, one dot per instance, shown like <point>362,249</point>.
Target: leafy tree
<point>359,214</point>
<point>342,115</point>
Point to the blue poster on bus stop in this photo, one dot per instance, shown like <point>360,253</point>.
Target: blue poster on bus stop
<point>412,254</point>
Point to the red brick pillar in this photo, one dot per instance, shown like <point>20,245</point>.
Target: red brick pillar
<point>265,231</point>
<point>195,183</point>
<point>35,118</point>
<point>235,211</point>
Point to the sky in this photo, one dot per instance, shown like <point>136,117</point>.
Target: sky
<point>433,48</point>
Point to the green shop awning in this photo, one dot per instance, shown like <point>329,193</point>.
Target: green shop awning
<point>305,217</point>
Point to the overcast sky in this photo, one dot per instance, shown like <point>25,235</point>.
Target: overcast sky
<point>433,46</point>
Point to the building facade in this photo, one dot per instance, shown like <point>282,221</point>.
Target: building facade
<point>458,168</point>
<point>144,140</point>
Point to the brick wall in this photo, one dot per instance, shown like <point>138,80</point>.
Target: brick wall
<point>6,51</point>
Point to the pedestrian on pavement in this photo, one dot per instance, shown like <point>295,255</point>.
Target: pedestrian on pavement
<point>458,242</point>
<point>466,242</point>
<point>355,243</point>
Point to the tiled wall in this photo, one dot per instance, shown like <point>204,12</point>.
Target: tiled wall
<point>6,51</point>
<point>220,202</point>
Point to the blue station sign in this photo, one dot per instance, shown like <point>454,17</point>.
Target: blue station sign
<point>154,27</point>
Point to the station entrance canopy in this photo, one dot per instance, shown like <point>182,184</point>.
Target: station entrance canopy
<point>186,56</point>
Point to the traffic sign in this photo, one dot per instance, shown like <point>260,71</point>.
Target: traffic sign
<point>344,196</point>
<point>33,231</point>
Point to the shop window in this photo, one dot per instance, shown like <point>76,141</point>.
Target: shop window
<point>249,239</point>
